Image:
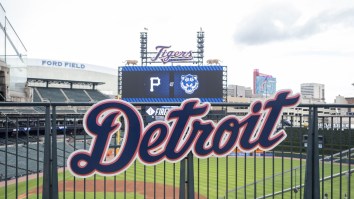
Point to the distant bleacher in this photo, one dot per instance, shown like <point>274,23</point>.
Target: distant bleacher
<point>51,94</point>
<point>45,94</point>
<point>36,97</point>
<point>17,110</point>
<point>96,95</point>
<point>62,91</point>
<point>66,95</point>
<point>76,95</point>
<point>47,90</point>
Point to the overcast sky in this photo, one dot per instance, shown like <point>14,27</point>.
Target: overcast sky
<point>295,41</point>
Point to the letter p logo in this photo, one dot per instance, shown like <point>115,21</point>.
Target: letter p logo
<point>154,81</point>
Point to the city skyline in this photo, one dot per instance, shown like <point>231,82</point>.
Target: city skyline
<point>296,42</point>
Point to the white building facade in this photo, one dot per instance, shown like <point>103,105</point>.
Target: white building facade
<point>73,71</point>
<point>313,91</point>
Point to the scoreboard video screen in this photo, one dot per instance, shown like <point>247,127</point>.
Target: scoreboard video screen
<point>172,83</point>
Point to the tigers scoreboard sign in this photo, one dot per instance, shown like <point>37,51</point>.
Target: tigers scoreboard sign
<point>172,83</point>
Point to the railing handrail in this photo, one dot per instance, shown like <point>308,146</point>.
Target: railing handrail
<point>160,104</point>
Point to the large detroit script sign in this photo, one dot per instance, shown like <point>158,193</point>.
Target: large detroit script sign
<point>183,131</point>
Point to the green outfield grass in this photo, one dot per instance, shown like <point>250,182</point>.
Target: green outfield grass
<point>224,177</point>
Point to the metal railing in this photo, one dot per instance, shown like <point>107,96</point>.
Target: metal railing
<point>315,161</point>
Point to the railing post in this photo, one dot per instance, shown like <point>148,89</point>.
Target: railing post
<point>50,170</point>
<point>182,179</point>
<point>46,160</point>
<point>186,183</point>
<point>312,181</point>
<point>54,157</point>
<point>190,176</point>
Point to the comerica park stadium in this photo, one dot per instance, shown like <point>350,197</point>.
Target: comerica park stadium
<point>43,103</point>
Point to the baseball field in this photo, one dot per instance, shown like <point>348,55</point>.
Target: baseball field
<point>229,177</point>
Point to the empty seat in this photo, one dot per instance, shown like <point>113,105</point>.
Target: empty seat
<point>52,94</point>
<point>36,97</point>
<point>76,95</point>
<point>96,95</point>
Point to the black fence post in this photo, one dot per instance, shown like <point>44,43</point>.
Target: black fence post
<point>54,158</point>
<point>186,183</point>
<point>50,170</point>
<point>46,160</point>
<point>190,176</point>
<point>312,181</point>
<point>182,179</point>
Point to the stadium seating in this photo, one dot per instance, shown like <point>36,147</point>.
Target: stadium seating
<point>8,111</point>
<point>36,97</point>
<point>96,95</point>
<point>67,95</point>
<point>76,95</point>
<point>52,94</point>
<point>44,94</point>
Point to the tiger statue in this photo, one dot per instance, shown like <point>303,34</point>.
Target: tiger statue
<point>189,83</point>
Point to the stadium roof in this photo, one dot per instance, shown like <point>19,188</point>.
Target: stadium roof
<point>60,81</point>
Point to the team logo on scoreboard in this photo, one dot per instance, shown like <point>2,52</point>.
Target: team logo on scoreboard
<point>171,56</point>
<point>189,83</point>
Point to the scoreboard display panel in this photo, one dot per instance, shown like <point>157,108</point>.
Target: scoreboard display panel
<point>172,83</point>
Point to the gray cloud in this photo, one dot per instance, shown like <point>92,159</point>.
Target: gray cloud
<point>280,22</point>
